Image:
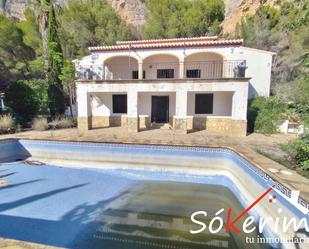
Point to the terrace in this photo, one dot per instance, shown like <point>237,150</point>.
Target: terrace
<point>164,67</point>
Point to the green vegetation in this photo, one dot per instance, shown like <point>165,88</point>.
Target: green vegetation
<point>14,53</point>
<point>90,23</point>
<point>37,74</point>
<point>183,18</point>
<point>263,113</point>
<point>298,149</point>
<point>283,29</point>
<point>22,102</point>
<point>55,64</point>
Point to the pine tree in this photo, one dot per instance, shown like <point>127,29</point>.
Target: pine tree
<point>55,64</point>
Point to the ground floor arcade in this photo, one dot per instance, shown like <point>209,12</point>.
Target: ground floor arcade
<point>219,106</point>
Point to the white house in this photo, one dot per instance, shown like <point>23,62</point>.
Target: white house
<point>190,83</point>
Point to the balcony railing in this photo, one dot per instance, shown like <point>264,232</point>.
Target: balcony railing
<point>166,70</point>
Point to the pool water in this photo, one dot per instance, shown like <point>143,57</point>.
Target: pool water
<point>84,208</point>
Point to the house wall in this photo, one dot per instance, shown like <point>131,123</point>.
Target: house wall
<point>222,104</point>
<point>120,68</point>
<point>259,70</point>
<point>162,61</point>
<point>144,100</point>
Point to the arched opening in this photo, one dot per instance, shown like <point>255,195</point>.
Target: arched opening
<point>120,68</point>
<point>161,66</point>
<point>205,65</point>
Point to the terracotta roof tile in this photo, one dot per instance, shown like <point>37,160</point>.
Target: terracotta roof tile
<point>169,43</point>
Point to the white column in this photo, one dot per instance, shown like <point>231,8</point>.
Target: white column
<point>181,103</point>
<point>103,71</point>
<point>180,120</point>
<point>239,103</point>
<point>132,116</point>
<point>140,70</point>
<point>181,69</point>
<point>84,107</point>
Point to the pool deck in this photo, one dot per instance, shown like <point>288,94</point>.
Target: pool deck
<point>246,146</point>
<point>16,244</point>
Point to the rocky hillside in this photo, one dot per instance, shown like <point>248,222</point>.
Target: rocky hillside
<point>236,9</point>
<point>133,11</point>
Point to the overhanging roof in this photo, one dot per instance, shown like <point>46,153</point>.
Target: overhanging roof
<point>202,41</point>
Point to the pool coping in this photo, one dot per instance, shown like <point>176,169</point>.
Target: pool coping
<point>284,188</point>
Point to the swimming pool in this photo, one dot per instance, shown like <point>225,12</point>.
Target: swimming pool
<point>92,195</point>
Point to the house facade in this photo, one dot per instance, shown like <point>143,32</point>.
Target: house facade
<point>189,83</point>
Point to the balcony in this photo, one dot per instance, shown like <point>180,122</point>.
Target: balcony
<point>152,70</point>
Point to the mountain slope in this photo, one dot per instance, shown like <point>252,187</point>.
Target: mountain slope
<point>133,11</point>
<point>235,10</point>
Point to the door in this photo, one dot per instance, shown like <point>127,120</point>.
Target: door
<point>159,109</point>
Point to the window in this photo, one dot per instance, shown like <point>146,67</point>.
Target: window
<point>194,73</point>
<point>120,103</point>
<point>135,75</point>
<point>204,103</point>
<point>165,73</point>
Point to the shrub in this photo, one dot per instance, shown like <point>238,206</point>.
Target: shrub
<point>40,124</point>
<point>7,124</point>
<point>22,102</point>
<point>263,114</point>
<point>39,86</point>
<point>63,123</point>
<point>298,149</point>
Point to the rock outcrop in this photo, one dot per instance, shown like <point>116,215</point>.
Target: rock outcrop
<point>235,10</point>
<point>131,11</point>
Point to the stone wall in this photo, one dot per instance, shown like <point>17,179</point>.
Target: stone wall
<point>224,126</point>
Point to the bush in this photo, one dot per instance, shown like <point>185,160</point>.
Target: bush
<point>22,102</point>
<point>40,124</point>
<point>298,149</point>
<point>7,124</point>
<point>39,86</point>
<point>263,114</point>
<point>63,123</point>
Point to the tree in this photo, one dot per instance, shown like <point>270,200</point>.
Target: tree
<point>14,53</point>
<point>90,23</point>
<point>68,77</point>
<point>182,18</point>
<point>283,29</point>
<point>40,88</point>
<point>55,63</point>
<point>22,102</point>
<point>32,38</point>
<point>41,11</point>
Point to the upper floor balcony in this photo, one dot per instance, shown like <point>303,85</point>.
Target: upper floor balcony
<point>163,67</point>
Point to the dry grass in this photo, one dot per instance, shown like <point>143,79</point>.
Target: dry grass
<point>7,124</point>
<point>40,124</point>
<point>62,123</point>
